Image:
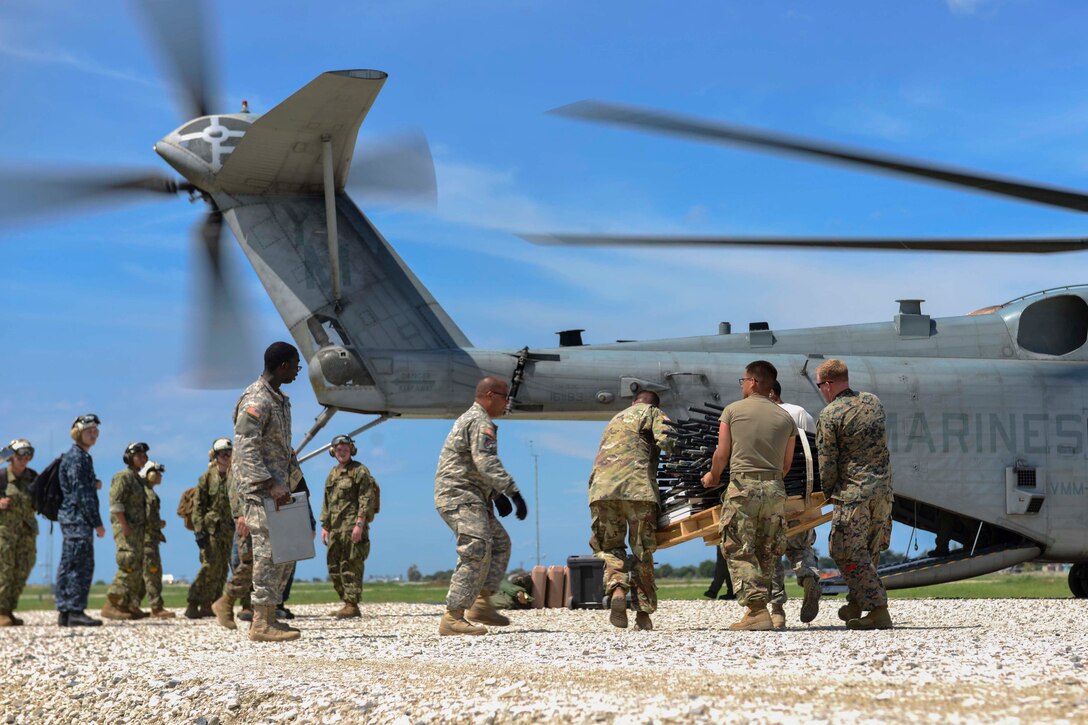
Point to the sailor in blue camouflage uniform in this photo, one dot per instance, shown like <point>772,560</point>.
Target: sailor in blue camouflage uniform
<point>264,468</point>
<point>470,478</point>
<point>78,518</point>
<point>855,473</point>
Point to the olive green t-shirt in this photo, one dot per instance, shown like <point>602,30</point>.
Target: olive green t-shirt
<point>760,431</point>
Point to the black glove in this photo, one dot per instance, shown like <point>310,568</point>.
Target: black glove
<point>519,504</point>
<point>202,539</point>
<point>502,505</point>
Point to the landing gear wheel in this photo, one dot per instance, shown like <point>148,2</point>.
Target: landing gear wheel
<point>1078,580</point>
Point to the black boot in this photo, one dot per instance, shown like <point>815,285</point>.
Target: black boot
<point>283,612</point>
<point>79,619</point>
<point>62,619</point>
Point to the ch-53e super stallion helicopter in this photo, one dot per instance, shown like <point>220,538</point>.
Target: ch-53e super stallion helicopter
<point>987,414</point>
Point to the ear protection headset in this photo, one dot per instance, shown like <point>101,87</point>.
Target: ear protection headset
<point>342,439</point>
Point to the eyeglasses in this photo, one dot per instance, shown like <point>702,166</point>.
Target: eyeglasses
<point>741,380</point>
<point>826,382</point>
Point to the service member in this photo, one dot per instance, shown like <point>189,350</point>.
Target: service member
<point>756,439</point>
<point>855,472</point>
<point>351,501</point>
<point>213,527</point>
<point>799,552</point>
<point>470,478</point>
<point>78,518</point>
<point>151,474</point>
<point>264,468</point>
<point>128,512</point>
<point>624,501</point>
<point>240,584</point>
<point>18,527</point>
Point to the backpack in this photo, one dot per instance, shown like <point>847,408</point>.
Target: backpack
<point>185,507</point>
<point>45,493</point>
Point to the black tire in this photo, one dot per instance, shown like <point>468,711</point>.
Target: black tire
<point>1078,580</point>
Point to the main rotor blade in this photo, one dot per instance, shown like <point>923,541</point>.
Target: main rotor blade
<point>25,193</point>
<point>397,169</point>
<point>223,356</point>
<point>649,120</point>
<point>1031,245</point>
<point>180,33</point>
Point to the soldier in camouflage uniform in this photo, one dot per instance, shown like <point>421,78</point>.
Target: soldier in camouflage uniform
<point>128,512</point>
<point>78,518</point>
<point>623,503</point>
<point>264,468</point>
<point>855,473</point>
<point>151,473</point>
<point>240,584</point>
<point>350,503</point>
<point>213,527</point>
<point>18,527</point>
<point>470,478</point>
<point>756,438</point>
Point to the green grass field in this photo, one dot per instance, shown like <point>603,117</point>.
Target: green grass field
<point>993,586</point>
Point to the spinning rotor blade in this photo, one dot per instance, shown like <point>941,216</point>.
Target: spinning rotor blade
<point>991,246</point>
<point>181,35</point>
<point>649,120</point>
<point>222,354</point>
<point>398,170</point>
<point>31,193</point>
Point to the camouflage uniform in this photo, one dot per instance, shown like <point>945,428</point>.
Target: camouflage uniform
<point>262,452</point>
<point>509,589</point>
<point>18,536</point>
<point>855,472</point>
<point>153,536</point>
<point>351,493</point>
<point>802,558</point>
<point>78,518</point>
<point>127,496</point>
<point>753,513</point>
<point>469,476</point>
<point>624,501</point>
<point>211,517</point>
<point>240,584</point>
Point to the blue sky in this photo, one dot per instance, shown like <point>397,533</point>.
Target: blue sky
<point>96,304</point>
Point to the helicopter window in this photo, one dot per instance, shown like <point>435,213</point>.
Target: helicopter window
<point>233,124</point>
<point>1054,325</point>
<point>194,127</point>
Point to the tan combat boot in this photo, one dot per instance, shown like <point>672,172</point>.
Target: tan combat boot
<point>347,611</point>
<point>755,619</point>
<point>482,612</point>
<point>113,610</point>
<point>778,616</point>
<point>617,614</point>
<point>453,623</point>
<point>192,611</point>
<point>160,613</point>
<point>643,621</point>
<point>849,611</point>
<point>810,605</point>
<point>878,618</point>
<point>6,620</point>
<point>275,623</point>
<point>261,629</point>
<point>224,611</point>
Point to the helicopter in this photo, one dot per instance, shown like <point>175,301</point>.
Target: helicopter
<point>987,419</point>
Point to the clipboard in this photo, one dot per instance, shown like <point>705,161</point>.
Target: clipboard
<point>289,529</point>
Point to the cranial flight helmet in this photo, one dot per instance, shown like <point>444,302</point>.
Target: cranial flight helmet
<point>132,449</point>
<point>342,439</point>
<point>220,444</point>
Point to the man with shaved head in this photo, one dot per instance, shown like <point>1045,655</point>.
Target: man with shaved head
<point>469,479</point>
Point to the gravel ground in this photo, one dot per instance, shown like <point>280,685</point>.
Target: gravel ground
<point>947,661</point>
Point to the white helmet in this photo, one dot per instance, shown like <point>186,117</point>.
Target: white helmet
<point>18,447</point>
<point>152,467</point>
<point>220,444</point>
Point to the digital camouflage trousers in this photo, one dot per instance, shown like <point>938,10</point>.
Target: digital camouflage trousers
<point>18,551</point>
<point>753,535</point>
<point>859,532</point>
<point>802,558</point>
<point>269,579</point>
<point>483,552</point>
<point>346,561</point>
<point>240,584</point>
<point>614,524</point>
<point>214,564</point>
<point>128,583</point>
<point>152,579</point>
